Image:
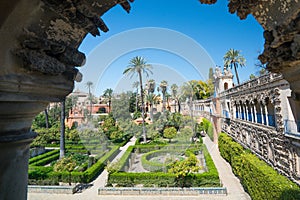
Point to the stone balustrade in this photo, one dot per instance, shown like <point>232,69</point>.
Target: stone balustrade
<point>162,191</point>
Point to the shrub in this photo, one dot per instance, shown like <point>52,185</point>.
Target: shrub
<point>262,181</point>
<point>228,148</point>
<point>259,179</point>
<point>170,133</point>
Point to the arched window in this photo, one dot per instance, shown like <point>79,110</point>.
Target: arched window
<point>225,86</point>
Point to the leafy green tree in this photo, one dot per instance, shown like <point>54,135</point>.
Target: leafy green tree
<point>123,106</point>
<point>233,59</point>
<point>185,170</point>
<point>252,76</point>
<point>66,164</point>
<point>138,65</point>
<point>71,102</point>
<point>170,133</point>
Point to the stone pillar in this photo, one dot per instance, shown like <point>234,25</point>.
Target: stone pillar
<point>262,113</point>
<point>254,113</point>
<point>266,114</point>
<point>15,138</point>
<point>245,111</point>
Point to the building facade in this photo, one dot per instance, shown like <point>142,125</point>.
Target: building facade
<point>261,115</point>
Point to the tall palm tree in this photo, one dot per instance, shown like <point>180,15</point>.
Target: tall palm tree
<point>151,85</point>
<point>46,117</point>
<point>233,59</point>
<point>151,99</point>
<point>62,130</point>
<point>136,85</point>
<point>108,94</point>
<point>138,65</point>
<point>89,85</point>
<point>174,93</point>
<point>164,86</point>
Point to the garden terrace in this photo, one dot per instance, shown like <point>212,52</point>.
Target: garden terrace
<point>209,178</point>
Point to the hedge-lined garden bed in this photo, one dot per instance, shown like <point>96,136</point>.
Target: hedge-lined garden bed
<point>210,178</point>
<point>45,175</point>
<point>259,179</point>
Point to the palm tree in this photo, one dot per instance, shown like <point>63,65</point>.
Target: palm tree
<point>108,94</point>
<point>164,86</point>
<point>233,59</point>
<point>46,117</point>
<point>151,99</point>
<point>136,85</point>
<point>174,93</point>
<point>138,65</point>
<point>151,85</point>
<point>62,130</point>
<point>89,85</point>
<point>188,92</point>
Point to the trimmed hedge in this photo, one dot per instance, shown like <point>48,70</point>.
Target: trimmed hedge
<point>92,172</point>
<point>38,174</point>
<point>259,179</point>
<point>228,148</point>
<point>43,156</point>
<point>160,179</point>
<point>124,159</point>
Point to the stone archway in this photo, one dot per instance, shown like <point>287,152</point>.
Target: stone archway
<point>39,42</point>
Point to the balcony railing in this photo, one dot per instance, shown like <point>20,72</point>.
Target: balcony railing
<point>292,127</point>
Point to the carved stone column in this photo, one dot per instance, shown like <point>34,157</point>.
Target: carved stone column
<point>266,114</point>
<point>262,113</point>
<point>254,112</point>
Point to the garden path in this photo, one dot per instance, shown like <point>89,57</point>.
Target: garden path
<point>229,180</point>
<point>235,190</point>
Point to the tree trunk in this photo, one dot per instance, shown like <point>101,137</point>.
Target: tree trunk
<point>179,106</point>
<point>143,107</point>
<point>46,118</point>
<point>164,102</point>
<point>236,73</point>
<point>137,101</point>
<point>62,131</point>
<point>151,112</point>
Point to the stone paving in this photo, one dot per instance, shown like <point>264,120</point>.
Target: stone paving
<point>234,188</point>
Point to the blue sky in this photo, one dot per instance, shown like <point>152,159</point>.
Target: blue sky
<point>184,37</point>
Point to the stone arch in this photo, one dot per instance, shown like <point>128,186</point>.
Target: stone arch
<point>39,49</point>
<point>271,112</point>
